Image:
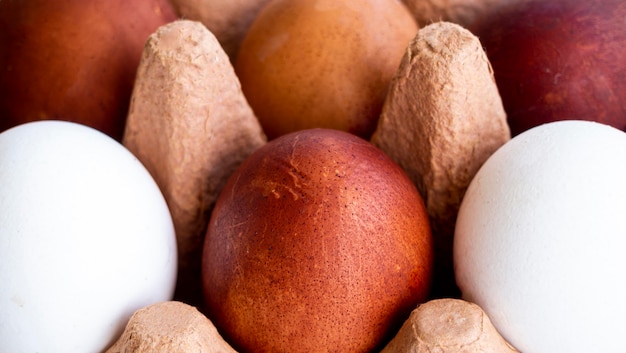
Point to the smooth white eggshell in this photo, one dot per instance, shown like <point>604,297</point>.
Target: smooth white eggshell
<point>86,239</point>
<point>540,241</point>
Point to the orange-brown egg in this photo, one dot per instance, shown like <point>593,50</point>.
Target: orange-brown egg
<point>323,63</point>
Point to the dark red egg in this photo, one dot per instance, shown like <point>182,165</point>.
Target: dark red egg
<point>559,59</point>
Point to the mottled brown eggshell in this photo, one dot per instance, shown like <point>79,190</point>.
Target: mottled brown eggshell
<point>322,63</point>
<point>442,119</point>
<point>191,126</point>
<point>317,243</point>
<point>73,60</point>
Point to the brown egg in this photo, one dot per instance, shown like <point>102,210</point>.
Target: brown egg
<point>323,63</point>
<point>317,243</point>
<point>74,59</point>
<point>558,60</point>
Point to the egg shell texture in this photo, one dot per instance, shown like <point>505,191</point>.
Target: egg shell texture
<point>85,239</point>
<point>318,242</point>
<point>558,59</point>
<point>73,60</point>
<point>541,236</point>
<point>322,63</point>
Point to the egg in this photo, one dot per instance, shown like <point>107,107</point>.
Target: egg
<point>540,238</point>
<point>73,60</point>
<point>557,59</point>
<point>86,239</point>
<point>318,242</point>
<point>322,63</point>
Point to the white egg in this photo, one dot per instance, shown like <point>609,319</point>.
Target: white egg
<point>540,241</point>
<point>86,239</point>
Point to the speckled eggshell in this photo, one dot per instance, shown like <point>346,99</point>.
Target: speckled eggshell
<point>86,239</point>
<point>540,239</point>
<point>317,243</point>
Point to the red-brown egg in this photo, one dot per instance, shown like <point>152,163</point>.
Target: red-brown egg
<point>73,60</point>
<point>318,242</point>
